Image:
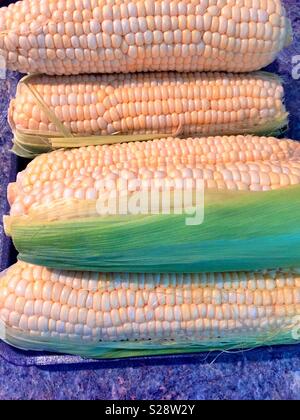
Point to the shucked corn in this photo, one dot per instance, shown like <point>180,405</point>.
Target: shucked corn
<point>92,36</point>
<point>76,312</point>
<point>191,103</point>
<point>242,163</point>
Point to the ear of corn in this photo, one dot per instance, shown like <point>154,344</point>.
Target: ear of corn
<point>55,37</point>
<point>251,209</point>
<point>50,113</point>
<point>121,315</point>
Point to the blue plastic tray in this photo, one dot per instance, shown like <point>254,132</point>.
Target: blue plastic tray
<point>283,67</point>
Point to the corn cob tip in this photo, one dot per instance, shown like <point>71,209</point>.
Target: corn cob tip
<point>289,34</point>
<point>3,295</point>
<point>7,225</point>
<point>10,114</point>
<point>12,192</point>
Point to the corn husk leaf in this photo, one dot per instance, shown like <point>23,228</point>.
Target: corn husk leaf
<point>112,350</point>
<point>241,231</point>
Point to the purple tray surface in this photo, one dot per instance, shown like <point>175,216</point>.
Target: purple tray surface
<point>270,373</point>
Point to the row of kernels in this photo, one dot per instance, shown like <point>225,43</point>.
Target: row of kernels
<point>153,329</point>
<point>59,295</point>
<point>157,94</point>
<point>104,65</point>
<point>80,120</point>
<point>169,148</point>
<point>107,85</point>
<point>92,282</point>
<point>238,176</point>
<point>93,47</point>
<point>118,177</point>
<point>154,15</point>
<point>138,8</point>
<point>204,123</point>
<point>53,311</point>
<point>172,16</point>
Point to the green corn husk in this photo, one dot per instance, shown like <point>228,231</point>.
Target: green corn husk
<point>125,349</point>
<point>241,231</point>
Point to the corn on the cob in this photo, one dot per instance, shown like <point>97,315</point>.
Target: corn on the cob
<point>230,163</point>
<point>55,206</point>
<point>92,36</point>
<point>109,315</point>
<point>153,103</point>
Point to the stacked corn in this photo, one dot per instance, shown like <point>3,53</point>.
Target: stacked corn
<point>122,131</point>
<point>252,220</point>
